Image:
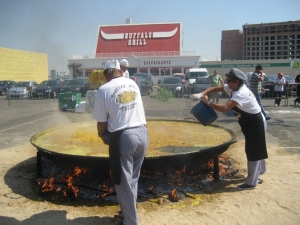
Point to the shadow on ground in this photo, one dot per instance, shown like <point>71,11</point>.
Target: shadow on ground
<point>56,217</point>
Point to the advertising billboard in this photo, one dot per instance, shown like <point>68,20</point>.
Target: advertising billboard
<point>155,37</point>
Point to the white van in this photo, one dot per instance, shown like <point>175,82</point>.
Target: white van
<point>193,73</point>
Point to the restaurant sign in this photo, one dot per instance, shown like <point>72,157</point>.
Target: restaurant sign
<point>139,38</point>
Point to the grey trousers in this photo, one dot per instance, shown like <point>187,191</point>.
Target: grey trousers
<point>255,168</point>
<point>133,146</point>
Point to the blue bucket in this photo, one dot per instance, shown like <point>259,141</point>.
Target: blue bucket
<point>204,114</point>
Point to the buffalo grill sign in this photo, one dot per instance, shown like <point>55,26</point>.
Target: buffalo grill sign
<point>139,38</point>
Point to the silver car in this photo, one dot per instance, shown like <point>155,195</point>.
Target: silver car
<point>22,89</point>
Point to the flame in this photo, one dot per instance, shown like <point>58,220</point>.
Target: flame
<point>150,189</point>
<point>48,185</point>
<point>174,196</point>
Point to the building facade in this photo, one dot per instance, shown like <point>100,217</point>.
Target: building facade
<point>264,41</point>
<point>151,48</point>
<point>232,45</point>
<point>271,67</point>
<point>20,65</point>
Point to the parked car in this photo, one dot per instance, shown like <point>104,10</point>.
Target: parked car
<point>180,75</point>
<point>5,85</point>
<point>143,84</point>
<point>173,84</point>
<point>201,84</point>
<point>268,85</point>
<point>75,86</point>
<point>22,89</point>
<point>146,76</point>
<point>193,73</point>
<point>47,88</point>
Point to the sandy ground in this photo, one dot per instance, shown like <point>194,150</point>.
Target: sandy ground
<point>276,201</point>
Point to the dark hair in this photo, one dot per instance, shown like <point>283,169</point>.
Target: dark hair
<point>258,67</point>
<point>109,71</point>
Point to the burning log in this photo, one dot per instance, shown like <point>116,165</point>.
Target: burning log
<point>155,186</point>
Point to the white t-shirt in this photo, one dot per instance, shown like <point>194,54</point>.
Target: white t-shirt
<point>276,81</point>
<point>245,98</point>
<point>119,103</point>
<point>126,74</point>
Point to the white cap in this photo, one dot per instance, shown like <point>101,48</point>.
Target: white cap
<point>124,62</point>
<point>113,64</point>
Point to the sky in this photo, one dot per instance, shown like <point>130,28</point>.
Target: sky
<point>63,28</point>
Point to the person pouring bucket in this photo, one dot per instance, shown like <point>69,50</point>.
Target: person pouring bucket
<point>253,124</point>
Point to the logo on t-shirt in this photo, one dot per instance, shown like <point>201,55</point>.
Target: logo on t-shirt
<point>127,96</point>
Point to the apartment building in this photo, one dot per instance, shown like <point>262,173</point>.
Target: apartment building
<point>263,41</point>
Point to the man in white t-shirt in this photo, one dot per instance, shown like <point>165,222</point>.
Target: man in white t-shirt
<point>119,109</point>
<point>279,82</point>
<point>124,66</point>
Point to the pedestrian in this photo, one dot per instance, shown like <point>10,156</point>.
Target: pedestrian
<point>253,124</point>
<point>215,80</point>
<point>124,66</point>
<point>297,99</point>
<point>119,109</point>
<point>279,82</point>
<point>255,86</point>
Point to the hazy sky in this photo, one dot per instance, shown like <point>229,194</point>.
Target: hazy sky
<point>63,28</point>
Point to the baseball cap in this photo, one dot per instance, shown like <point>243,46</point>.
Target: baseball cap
<point>113,64</point>
<point>124,62</point>
<point>237,74</point>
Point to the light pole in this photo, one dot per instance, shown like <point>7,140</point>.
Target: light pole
<point>182,35</point>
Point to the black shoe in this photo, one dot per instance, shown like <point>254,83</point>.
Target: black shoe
<point>267,118</point>
<point>260,181</point>
<point>120,213</point>
<point>120,223</point>
<point>245,186</point>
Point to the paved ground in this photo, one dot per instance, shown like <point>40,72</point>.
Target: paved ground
<point>20,119</point>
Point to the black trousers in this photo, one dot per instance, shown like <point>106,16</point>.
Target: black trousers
<point>278,95</point>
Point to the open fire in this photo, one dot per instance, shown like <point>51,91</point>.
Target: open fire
<point>61,182</point>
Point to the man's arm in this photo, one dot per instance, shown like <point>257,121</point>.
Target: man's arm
<point>101,126</point>
<point>221,80</point>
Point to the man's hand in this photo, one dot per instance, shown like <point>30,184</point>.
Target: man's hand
<point>196,97</point>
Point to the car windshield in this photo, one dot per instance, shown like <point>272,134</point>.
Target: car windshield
<point>144,75</point>
<point>289,78</point>
<point>175,80</point>
<point>180,76</point>
<point>201,81</point>
<point>75,82</point>
<point>269,78</point>
<point>3,82</point>
<point>48,83</point>
<point>22,84</point>
<point>198,74</point>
